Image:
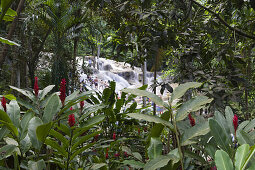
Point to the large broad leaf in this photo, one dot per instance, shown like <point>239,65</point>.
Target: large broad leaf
<point>5,119</point>
<point>5,5</point>
<point>24,123</point>
<point>150,95</point>
<point>250,126</point>
<point>223,123</point>
<point>248,158</point>
<point>155,148</point>
<point>197,130</point>
<point>9,42</point>
<point>39,165</point>
<point>229,118</point>
<point>151,118</point>
<point>56,146</point>
<point>24,92</point>
<point>60,137</point>
<point>42,131</point>
<point>52,107</point>
<point>220,136</point>
<point>158,127</point>
<point>33,124</point>
<point>181,90</point>
<point>244,138</point>
<point>192,105</point>
<point>134,164</point>
<point>25,144</point>
<point>45,91</point>
<point>240,156</point>
<point>13,110</point>
<point>7,150</point>
<point>223,161</point>
<point>158,162</point>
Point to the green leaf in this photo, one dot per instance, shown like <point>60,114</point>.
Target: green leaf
<point>240,156</point>
<point>155,148</point>
<point>42,131</point>
<point>137,156</point>
<point>134,164</point>
<point>25,144</point>
<point>84,139</point>
<point>53,105</point>
<point>192,105</point>
<point>6,151</point>
<point>11,127</point>
<point>39,165</point>
<point>72,96</point>
<point>9,42</point>
<point>223,123</point>
<point>4,117</point>
<point>181,90</point>
<point>60,137</point>
<point>98,165</point>
<point>81,150</point>
<point>24,92</point>
<point>249,157</point>
<point>250,126</point>
<point>24,123</point>
<point>244,138</point>
<point>33,124</point>
<point>220,135</point>
<point>197,130</point>
<point>45,91</point>
<point>229,118</point>
<point>223,161</point>
<point>5,5</point>
<point>151,118</point>
<point>126,149</point>
<point>91,109</point>
<point>158,127</point>
<point>150,95</point>
<point>56,146</point>
<point>158,162</point>
<point>90,122</point>
<point>13,110</point>
<point>10,97</point>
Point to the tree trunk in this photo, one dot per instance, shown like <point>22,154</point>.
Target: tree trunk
<point>98,51</point>
<point>157,53</point>
<point>11,32</point>
<point>144,80</point>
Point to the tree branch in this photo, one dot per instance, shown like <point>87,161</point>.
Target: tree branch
<point>238,31</point>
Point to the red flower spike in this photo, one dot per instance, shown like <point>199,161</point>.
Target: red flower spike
<point>106,154</point>
<point>96,137</point>
<point>235,122</point>
<point>114,136</point>
<point>62,95</point>
<point>3,101</point>
<point>192,120</point>
<point>116,155</point>
<point>126,154</point>
<point>81,105</point>
<point>71,120</point>
<point>36,88</point>
<point>139,131</point>
<point>71,108</point>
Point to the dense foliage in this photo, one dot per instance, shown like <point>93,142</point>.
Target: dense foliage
<point>189,41</point>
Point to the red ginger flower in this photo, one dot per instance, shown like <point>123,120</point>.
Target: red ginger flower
<point>116,155</point>
<point>36,88</point>
<point>3,101</point>
<point>106,154</point>
<point>62,95</point>
<point>139,131</point>
<point>114,136</point>
<point>81,105</point>
<point>192,120</point>
<point>235,122</point>
<point>71,120</point>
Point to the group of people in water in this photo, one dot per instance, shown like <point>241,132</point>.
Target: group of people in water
<point>93,82</point>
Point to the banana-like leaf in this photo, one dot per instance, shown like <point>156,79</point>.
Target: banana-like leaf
<point>39,165</point>
<point>25,92</point>
<point>192,105</point>
<point>150,95</point>
<point>51,109</point>
<point>151,118</point>
<point>197,130</point>
<point>240,156</point>
<point>181,90</point>
<point>45,91</point>
<point>155,148</point>
<point>223,161</point>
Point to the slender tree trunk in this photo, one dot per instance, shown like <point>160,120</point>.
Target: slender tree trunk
<point>99,50</point>
<point>144,79</point>
<point>11,32</point>
<point>155,75</point>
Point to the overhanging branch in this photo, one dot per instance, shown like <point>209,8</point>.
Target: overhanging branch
<point>238,31</point>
